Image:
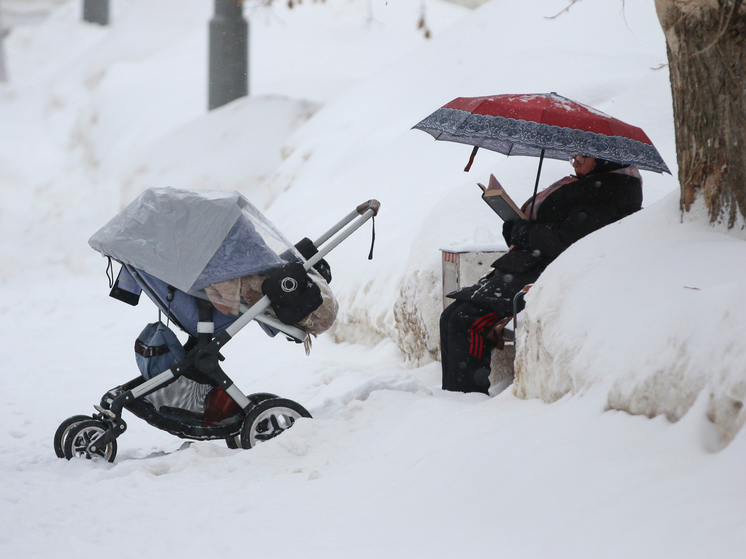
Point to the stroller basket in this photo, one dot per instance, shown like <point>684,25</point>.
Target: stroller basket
<point>188,281</point>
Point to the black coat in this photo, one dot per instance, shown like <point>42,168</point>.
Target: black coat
<point>569,213</point>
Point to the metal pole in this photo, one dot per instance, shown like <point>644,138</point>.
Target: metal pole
<point>228,54</point>
<point>333,231</point>
<point>96,11</point>
<point>3,33</point>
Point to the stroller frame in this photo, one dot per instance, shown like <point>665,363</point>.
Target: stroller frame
<point>95,436</point>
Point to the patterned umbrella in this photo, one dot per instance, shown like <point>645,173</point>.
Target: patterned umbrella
<point>541,125</point>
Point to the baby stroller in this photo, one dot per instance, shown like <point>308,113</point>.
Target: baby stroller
<point>212,263</point>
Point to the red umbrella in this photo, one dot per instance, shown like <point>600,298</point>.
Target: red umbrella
<point>543,125</point>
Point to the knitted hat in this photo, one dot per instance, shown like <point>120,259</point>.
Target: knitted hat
<point>605,166</point>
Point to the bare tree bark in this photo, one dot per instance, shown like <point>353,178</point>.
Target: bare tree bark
<point>706,43</point>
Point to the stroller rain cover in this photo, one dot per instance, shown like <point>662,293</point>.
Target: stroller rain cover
<point>191,239</point>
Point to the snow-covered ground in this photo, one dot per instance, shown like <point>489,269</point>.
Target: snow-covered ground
<point>643,316</point>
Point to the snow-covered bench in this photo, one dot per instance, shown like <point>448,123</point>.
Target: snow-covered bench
<point>464,265</point>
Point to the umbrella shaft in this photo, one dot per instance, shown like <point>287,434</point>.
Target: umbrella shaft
<point>536,186</point>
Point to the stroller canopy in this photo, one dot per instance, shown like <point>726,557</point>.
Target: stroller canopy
<point>191,239</point>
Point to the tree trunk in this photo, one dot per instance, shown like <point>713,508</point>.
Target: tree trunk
<point>706,43</point>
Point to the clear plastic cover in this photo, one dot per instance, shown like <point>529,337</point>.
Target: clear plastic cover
<point>192,238</point>
<point>207,244</point>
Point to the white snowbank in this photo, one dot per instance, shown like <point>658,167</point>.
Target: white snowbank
<point>651,310</point>
<point>240,145</point>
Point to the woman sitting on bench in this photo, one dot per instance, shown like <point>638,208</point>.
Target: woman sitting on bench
<point>601,192</point>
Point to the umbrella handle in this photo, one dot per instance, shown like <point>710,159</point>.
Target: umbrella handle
<point>471,159</point>
<point>536,186</point>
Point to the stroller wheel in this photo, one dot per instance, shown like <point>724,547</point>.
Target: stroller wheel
<point>268,419</point>
<point>259,397</point>
<point>256,398</point>
<point>81,435</point>
<point>61,434</point>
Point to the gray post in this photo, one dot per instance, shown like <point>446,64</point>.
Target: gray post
<point>3,33</point>
<point>229,54</point>
<point>96,11</point>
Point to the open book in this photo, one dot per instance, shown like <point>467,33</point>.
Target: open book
<point>500,202</point>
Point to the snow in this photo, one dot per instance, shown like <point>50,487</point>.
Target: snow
<point>683,281</point>
<point>641,317</point>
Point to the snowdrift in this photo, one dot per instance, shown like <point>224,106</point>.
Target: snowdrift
<point>649,310</point>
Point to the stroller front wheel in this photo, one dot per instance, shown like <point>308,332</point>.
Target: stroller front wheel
<point>78,443</point>
<point>61,434</point>
<point>234,441</point>
<point>270,418</point>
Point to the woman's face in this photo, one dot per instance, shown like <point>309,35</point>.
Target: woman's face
<point>583,164</point>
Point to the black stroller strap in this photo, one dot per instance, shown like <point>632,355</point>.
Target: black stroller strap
<point>372,238</point>
<point>148,351</point>
<point>169,297</point>
<point>110,272</point>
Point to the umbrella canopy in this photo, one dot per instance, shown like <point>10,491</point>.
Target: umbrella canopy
<point>191,239</point>
<point>542,125</point>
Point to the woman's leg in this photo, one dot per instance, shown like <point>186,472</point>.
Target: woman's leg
<point>445,336</point>
<point>465,353</point>
<point>464,326</point>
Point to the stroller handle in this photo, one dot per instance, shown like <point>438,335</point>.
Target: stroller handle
<point>362,213</point>
<point>361,210</point>
<point>374,205</point>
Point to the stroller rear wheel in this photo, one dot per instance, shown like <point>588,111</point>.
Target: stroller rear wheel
<point>81,435</point>
<point>268,419</point>
<point>259,397</point>
<point>61,434</point>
